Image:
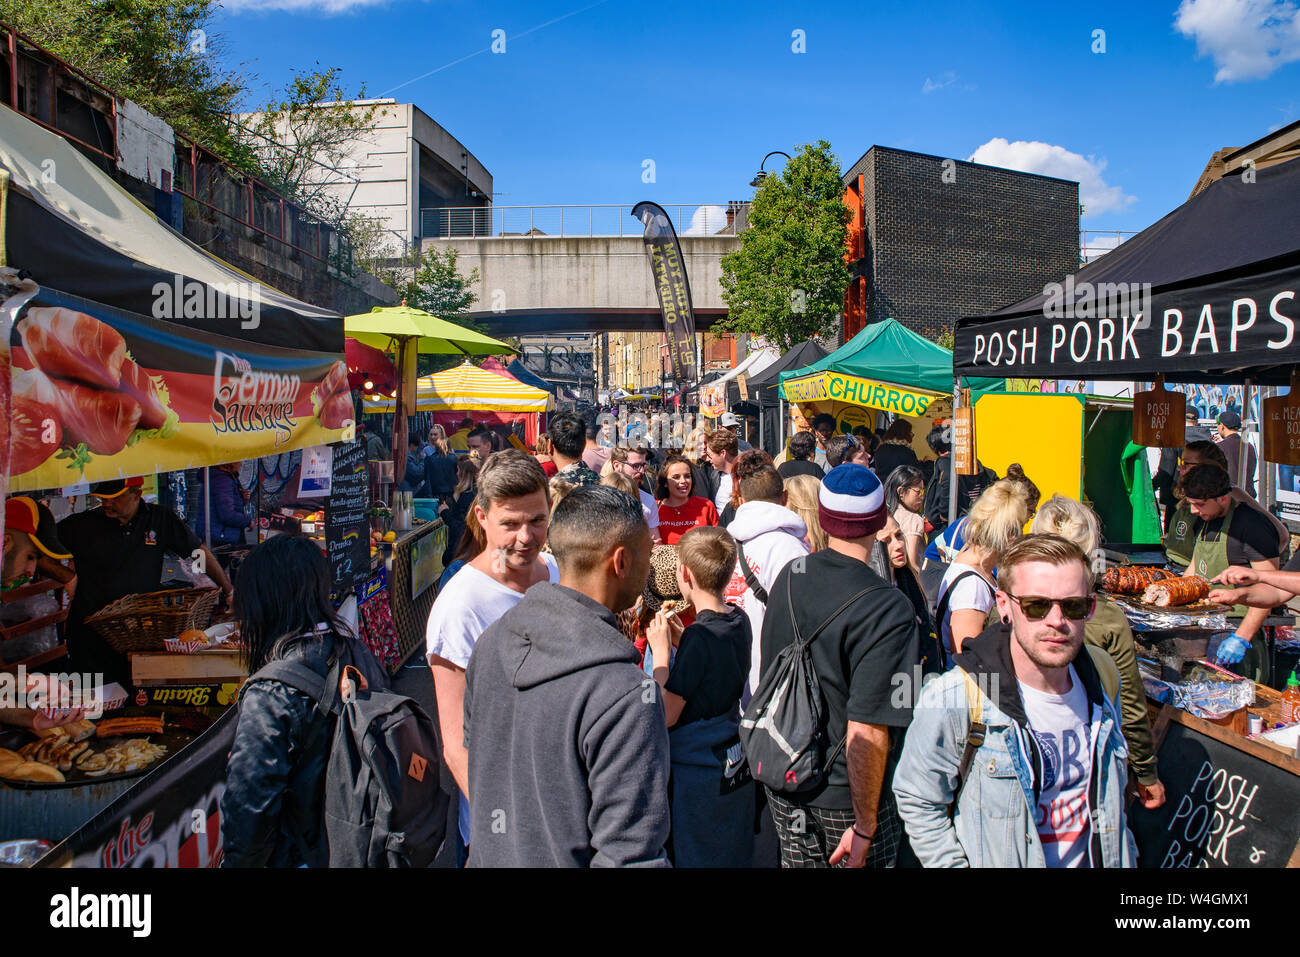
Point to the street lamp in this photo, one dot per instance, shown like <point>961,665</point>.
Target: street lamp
<point>763,174</point>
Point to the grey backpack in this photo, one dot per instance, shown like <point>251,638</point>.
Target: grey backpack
<point>385,804</point>
<point>781,728</point>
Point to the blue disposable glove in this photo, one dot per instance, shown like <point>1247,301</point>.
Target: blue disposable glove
<point>1231,650</point>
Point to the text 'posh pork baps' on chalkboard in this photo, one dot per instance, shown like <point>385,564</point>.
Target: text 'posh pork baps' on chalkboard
<point>1224,807</point>
<point>347,519</point>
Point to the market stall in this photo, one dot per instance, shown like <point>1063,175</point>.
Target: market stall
<point>134,351</point>
<point>765,391</point>
<point>485,397</point>
<point>1205,295</point>
<point>885,368</point>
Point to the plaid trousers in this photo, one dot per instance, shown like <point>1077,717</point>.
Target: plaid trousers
<point>809,834</point>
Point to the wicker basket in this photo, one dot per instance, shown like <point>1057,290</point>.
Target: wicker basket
<point>144,622</point>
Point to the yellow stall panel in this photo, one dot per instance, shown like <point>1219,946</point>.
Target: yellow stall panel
<point>1043,432</point>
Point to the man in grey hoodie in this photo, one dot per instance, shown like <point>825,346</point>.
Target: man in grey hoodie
<point>567,742</point>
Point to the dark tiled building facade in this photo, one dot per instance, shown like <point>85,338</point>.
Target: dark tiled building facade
<point>932,239</point>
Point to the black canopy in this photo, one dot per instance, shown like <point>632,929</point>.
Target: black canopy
<point>1210,293</point>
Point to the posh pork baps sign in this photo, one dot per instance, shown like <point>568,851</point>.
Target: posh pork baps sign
<point>99,393</point>
<point>1130,331</point>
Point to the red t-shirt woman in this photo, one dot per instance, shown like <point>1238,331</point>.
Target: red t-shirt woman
<point>679,510</point>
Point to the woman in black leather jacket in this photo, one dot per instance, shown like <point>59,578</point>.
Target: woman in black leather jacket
<point>275,775</point>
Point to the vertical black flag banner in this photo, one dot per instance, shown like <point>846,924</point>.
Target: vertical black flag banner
<point>672,287</point>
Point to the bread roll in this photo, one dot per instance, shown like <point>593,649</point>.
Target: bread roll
<point>9,759</point>
<point>35,771</point>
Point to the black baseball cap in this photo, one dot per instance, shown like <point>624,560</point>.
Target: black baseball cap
<point>1230,419</point>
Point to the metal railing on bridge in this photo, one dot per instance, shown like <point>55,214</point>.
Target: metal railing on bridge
<point>1097,242</point>
<point>487,222</point>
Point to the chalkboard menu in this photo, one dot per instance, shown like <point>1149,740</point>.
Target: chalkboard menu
<point>347,524</point>
<point>1229,802</point>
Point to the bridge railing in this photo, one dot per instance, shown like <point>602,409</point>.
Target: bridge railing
<point>1097,242</point>
<point>488,222</point>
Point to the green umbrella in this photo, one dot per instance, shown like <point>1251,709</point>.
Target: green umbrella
<point>398,329</point>
<point>382,325</point>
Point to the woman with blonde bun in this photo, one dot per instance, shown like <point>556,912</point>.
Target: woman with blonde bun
<point>1109,630</point>
<point>965,595</point>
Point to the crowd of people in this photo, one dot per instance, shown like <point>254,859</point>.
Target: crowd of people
<point>614,626</point>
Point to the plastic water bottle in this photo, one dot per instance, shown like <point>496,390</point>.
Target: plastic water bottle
<point>1291,700</point>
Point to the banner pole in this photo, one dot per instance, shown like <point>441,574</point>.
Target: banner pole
<point>207,507</point>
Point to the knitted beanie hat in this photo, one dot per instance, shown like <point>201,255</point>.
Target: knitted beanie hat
<point>851,502</point>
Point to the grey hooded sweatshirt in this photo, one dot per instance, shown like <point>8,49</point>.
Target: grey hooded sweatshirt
<point>568,747</point>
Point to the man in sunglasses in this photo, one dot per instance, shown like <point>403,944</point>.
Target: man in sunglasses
<point>1015,757</point>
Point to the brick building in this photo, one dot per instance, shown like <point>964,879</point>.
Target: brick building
<point>932,239</point>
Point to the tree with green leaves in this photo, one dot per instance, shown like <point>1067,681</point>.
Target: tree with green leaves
<point>438,286</point>
<point>163,54</point>
<point>786,283</point>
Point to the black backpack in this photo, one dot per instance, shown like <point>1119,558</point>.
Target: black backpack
<point>385,805</point>
<point>781,728</point>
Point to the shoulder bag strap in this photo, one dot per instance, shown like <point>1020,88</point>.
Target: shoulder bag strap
<point>750,578</point>
<point>942,609</point>
<point>975,732</point>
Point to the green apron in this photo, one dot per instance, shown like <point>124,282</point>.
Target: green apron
<point>1181,538</point>
<point>1210,558</point>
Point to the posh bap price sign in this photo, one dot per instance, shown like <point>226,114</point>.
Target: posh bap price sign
<point>1281,427</point>
<point>100,393</point>
<point>1158,418</point>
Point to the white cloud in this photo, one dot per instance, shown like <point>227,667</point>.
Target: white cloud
<point>1247,39</point>
<point>706,220</point>
<point>947,78</point>
<point>299,6</point>
<point>1049,160</point>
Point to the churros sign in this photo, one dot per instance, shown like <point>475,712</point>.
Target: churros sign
<point>833,387</point>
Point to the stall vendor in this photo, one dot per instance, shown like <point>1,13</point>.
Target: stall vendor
<point>1226,534</point>
<point>118,550</point>
<point>30,543</point>
<point>1179,534</point>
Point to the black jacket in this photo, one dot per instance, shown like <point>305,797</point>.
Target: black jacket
<point>890,456</point>
<point>707,479</point>
<point>272,811</point>
<point>969,488</point>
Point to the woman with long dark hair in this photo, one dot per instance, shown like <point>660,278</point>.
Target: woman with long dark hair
<point>455,507</point>
<point>680,509</point>
<point>272,811</point>
<point>904,499</point>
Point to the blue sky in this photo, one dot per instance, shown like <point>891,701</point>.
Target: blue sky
<point>569,111</point>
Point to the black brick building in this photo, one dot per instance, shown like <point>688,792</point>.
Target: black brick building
<point>932,239</point>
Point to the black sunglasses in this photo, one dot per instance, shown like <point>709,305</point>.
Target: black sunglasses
<point>1077,608</point>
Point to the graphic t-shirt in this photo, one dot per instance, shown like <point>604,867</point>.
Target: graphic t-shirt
<point>1060,725</point>
<point>676,522</point>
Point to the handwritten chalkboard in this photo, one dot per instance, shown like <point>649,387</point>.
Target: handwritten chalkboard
<point>347,522</point>
<point>1230,802</point>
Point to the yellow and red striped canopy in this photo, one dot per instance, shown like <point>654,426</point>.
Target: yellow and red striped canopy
<point>468,388</point>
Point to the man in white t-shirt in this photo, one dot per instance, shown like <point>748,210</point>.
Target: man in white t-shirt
<point>632,463</point>
<point>512,508</point>
<point>721,448</point>
<point>1050,756</point>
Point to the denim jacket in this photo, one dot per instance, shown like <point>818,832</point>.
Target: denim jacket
<point>993,825</point>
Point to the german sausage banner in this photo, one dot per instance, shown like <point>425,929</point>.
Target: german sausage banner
<point>672,287</point>
<point>100,393</point>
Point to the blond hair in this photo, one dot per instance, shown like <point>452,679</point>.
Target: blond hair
<point>619,481</point>
<point>1051,549</point>
<point>1073,521</point>
<point>801,498</point>
<point>691,447</point>
<point>998,517</point>
<point>709,553</point>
